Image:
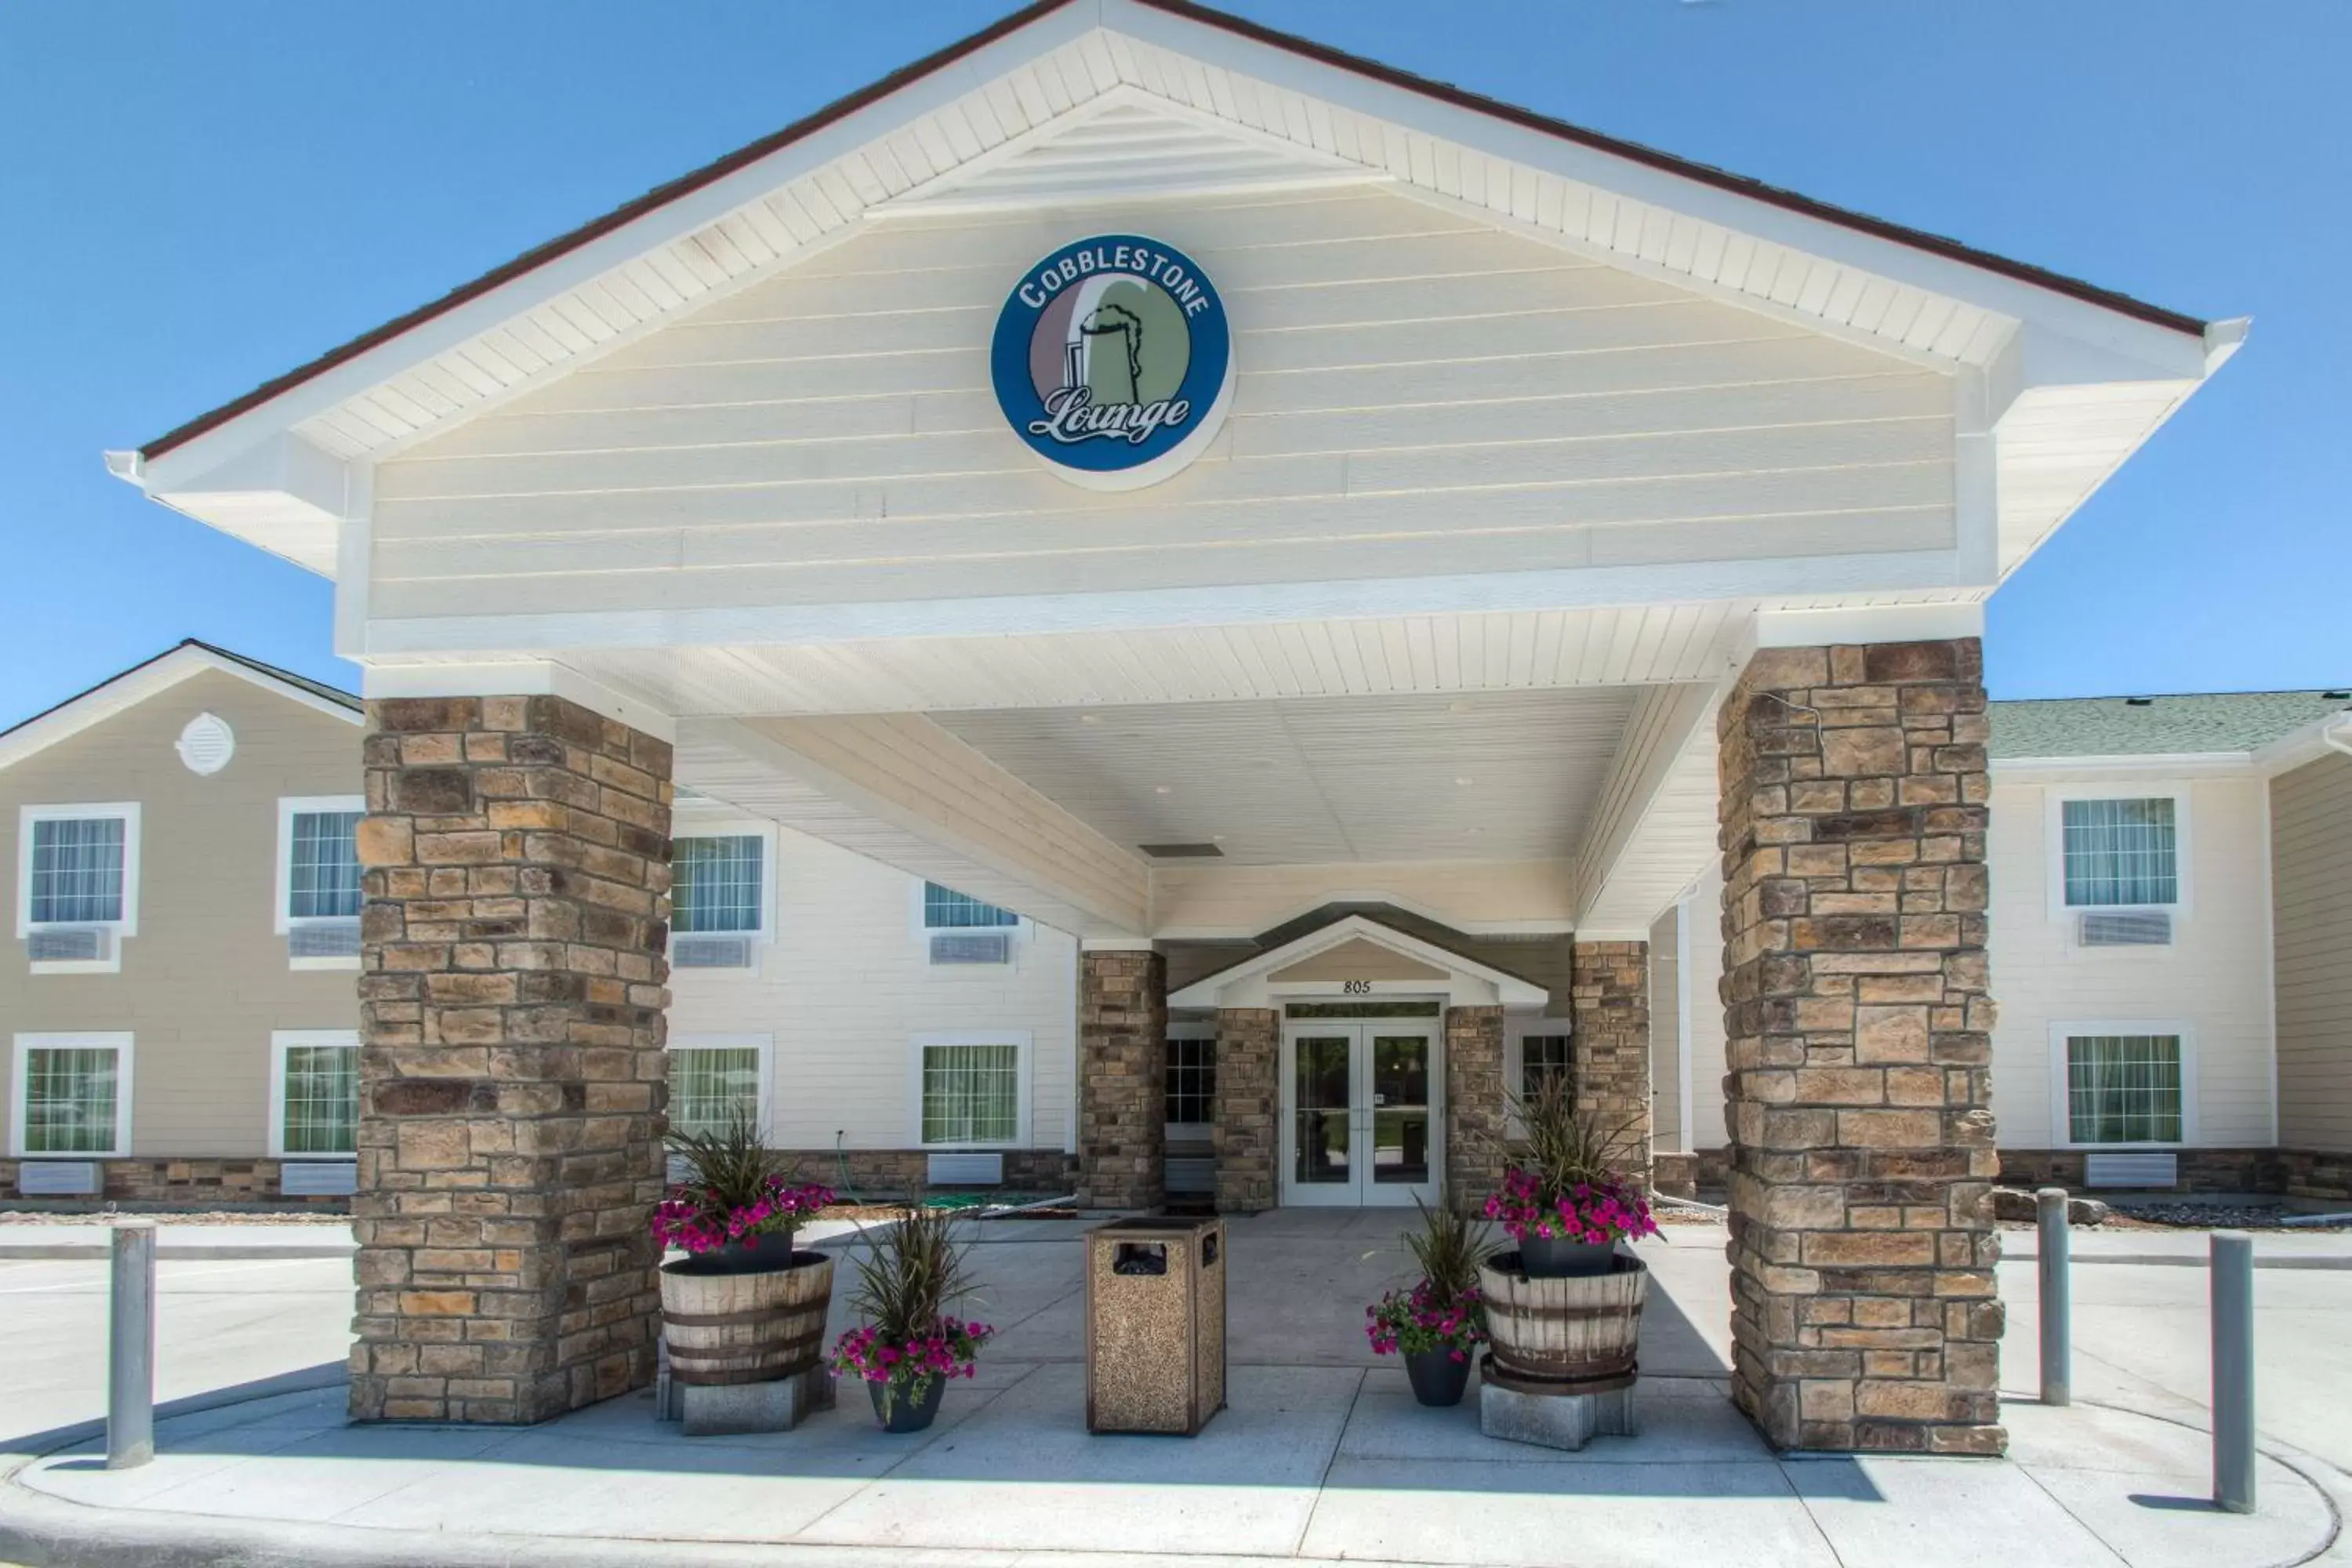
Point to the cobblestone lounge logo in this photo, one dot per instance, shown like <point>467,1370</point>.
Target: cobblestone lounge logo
<point>1114,361</point>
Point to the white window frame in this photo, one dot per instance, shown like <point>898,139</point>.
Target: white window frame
<point>20,1084</point>
<point>763,1108</point>
<point>1517,1027</point>
<point>1190,1132</point>
<point>126,927</point>
<point>763,938</point>
<point>2062,1105</point>
<point>2053,855</point>
<point>289,808</point>
<point>1027,1061</point>
<point>280,1042</point>
<point>920,928</point>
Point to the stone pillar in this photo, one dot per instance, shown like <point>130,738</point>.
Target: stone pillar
<point>1122,1079</point>
<point>1247,1137</point>
<point>1609,1000</point>
<point>516,881</point>
<point>1854,793</point>
<point>1475,1103</point>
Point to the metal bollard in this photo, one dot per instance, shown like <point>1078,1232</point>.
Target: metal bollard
<point>130,1347</point>
<point>2233,1258</point>
<point>2057,1298</point>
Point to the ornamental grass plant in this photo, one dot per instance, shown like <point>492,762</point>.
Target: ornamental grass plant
<point>1443,1311</point>
<point>912,1273</point>
<point>1564,1181</point>
<point>737,1190</point>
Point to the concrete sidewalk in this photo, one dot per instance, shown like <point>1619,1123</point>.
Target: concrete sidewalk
<point>220,1243</point>
<point>1321,1456</point>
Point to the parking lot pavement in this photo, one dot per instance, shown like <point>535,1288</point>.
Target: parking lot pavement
<point>218,1324</point>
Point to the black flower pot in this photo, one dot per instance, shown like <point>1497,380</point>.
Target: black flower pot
<point>909,1412</point>
<point>752,1254</point>
<point>1555,1258</point>
<point>1437,1378</point>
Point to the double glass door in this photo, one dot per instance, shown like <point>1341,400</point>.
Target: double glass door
<point>1360,1117</point>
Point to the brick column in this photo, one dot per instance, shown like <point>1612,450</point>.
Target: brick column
<point>517,857</point>
<point>1475,1103</point>
<point>1122,1079</point>
<point>1853,794</point>
<point>1608,999</point>
<point>1249,1098</point>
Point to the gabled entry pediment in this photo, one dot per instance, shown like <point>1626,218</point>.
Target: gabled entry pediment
<point>1359,956</point>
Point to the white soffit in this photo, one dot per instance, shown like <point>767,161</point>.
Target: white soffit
<point>1020,117</point>
<point>1503,776</point>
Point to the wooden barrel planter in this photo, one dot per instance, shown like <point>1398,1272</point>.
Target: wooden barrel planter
<point>1572,1335</point>
<point>726,1329</point>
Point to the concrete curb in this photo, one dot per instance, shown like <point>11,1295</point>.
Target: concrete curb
<point>233,1251</point>
<point>2179,1260</point>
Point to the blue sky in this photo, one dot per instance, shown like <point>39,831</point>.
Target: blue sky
<point>199,198</point>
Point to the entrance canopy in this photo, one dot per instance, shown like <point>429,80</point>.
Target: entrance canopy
<point>1527,440</point>
<point>1357,956</point>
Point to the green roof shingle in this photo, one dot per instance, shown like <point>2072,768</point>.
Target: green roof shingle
<point>2156,726</point>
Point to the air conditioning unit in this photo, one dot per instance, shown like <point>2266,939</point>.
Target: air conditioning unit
<point>323,939</point>
<point>2135,1168</point>
<point>319,1178</point>
<point>2124,928</point>
<point>972,947</point>
<point>711,952</point>
<point>58,1179</point>
<point>71,944</point>
<point>967,1169</point>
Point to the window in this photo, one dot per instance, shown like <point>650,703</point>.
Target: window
<point>2120,852</point>
<point>971,1090</point>
<point>713,1080</point>
<point>1542,1057</point>
<point>961,930</point>
<point>717,884</point>
<point>720,883</point>
<point>1192,1079</point>
<point>73,1096</point>
<point>314,1085</point>
<point>2125,1088</point>
<point>76,885</point>
<point>319,880</point>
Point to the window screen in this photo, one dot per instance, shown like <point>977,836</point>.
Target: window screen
<point>2120,852</point>
<point>715,884</point>
<point>323,868</point>
<point>77,870</point>
<point>2122,1089</point>
<point>70,1093</point>
<point>944,909</point>
<point>971,1094</point>
<point>710,1086</point>
<point>1193,1082</point>
<point>322,1100</point>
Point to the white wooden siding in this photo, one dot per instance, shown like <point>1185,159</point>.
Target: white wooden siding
<point>1665,1036</point>
<point>2311,860</point>
<point>847,986</point>
<point>1209,900</point>
<point>1417,395</point>
<point>2215,977</point>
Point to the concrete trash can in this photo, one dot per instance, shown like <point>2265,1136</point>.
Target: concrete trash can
<point>1155,1325</point>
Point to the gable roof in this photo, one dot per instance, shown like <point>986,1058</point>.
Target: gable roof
<point>2181,724</point>
<point>1510,990</point>
<point>152,677</point>
<point>1439,92</point>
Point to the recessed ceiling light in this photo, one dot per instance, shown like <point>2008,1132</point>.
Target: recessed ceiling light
<point>1464,779</point>
<point>1089,717</point>
<point>1162,789</point>
<point>1474,832</point>
<point>1457,708</point>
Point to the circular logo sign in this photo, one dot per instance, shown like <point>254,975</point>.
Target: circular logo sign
<point>1114,361</point>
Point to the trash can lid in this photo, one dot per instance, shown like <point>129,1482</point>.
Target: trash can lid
<point>1158,1224</point>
